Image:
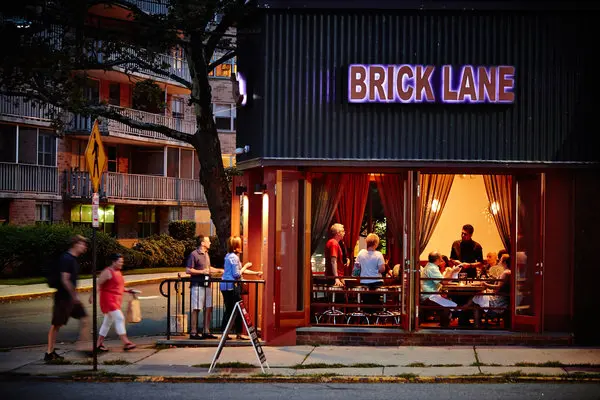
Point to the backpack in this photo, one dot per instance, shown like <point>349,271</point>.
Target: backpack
<point>52,272</point>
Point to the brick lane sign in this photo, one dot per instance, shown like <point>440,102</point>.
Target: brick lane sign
<point>376,83</point>
<point>95,157</point>
<point>250,328</point>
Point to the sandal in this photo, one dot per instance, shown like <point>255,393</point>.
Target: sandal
<point>102,348</point>
<point>129,346</point>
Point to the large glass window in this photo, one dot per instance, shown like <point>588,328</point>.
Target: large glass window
<point>46,149</point>
<point>81,214</point>
<point>112,158</point>
<point>225,69</point>
<point>173,162</point>
<point>114,94</point>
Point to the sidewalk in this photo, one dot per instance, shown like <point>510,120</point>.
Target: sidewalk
<point>20,292</point>
<point>312,364</point>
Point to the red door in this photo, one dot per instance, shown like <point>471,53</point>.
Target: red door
<point>528,252</point>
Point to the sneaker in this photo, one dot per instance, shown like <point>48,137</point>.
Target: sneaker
<point>53,357</point>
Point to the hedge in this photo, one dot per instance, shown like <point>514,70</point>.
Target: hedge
<point>182,230</point>
<point>24,250</point>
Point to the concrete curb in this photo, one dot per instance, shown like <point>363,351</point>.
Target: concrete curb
<point>100,376</point>
<point>82,289</point>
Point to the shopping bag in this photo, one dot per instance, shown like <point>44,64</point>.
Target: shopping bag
<point>134,311</point>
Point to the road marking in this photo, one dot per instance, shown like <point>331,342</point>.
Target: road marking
<point>147,297</point>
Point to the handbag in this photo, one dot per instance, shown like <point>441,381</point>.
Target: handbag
<point>134,310</point>
<point>241,288</point>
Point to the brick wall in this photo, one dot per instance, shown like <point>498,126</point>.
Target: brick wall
<point>63,157</point>
<point>188,213</point>
<point>60,212</point>
<point>123,155</point>
<point>394,338</point>
<point>227,143</point>
<point>22,212</point>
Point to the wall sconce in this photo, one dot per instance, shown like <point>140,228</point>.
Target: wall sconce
<point>240,190</point>
<point>260,188</point>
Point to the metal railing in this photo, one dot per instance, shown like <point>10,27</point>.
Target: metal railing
<point>177,293</point>
<point>28,178</point>
<point>151,6</point>
<point>17,106</point>
<point>136,187</point>
<point>146,117</point>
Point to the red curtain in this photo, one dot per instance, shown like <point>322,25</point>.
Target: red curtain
<point>391,193</point>
<point>326,192</point>
<point>351,210</point>
<point>499,189</point>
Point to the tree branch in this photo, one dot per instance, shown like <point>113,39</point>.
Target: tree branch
<point>221,60</point>
<point>227,21</point>
<point>110,113</point>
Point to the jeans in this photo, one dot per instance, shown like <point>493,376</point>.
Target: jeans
<point>230,298</point>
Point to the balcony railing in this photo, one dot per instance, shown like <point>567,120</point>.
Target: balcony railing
<point>151,6</point>
<point>142,116</point>
<point>177,66</point>
<point>28,178</point>
<point>136,187</point>
<point>16,106</point>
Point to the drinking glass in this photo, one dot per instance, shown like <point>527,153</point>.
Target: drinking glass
<point>462,277</point>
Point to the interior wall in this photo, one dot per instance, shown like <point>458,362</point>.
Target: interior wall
<point>467,204</point>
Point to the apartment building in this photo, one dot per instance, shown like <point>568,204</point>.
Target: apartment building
<point>151,179</point>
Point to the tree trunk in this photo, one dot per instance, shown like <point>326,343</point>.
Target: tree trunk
<point>208,146</point>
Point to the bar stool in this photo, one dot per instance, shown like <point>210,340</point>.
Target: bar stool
<point>332,312</point>
<point>360,314</point>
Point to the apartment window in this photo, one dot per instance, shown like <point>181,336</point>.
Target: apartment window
<point>174,214</point>
<point>78,162</point>
<point>114,94</point>
<point>8,143</point>
<point>177,107</point>
<point>177,58</point>
<point>147,225</point>
<point>173,162</point>
<point>28,138</point>
<point>92,90</point>
<point>187,164</point>
<point>43,213</point>
<point>225,116</point>
<point>112,158</point>
<point>196,174</point>
<point>225,69</point>
<point>46,149</point>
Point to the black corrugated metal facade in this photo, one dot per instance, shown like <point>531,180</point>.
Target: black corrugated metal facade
<point>297,63</point>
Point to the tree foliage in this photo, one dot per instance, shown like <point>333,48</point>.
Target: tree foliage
<point>54,46</point>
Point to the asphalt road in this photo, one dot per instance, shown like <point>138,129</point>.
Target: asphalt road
<point>266,391</point>
<point>26,322</point>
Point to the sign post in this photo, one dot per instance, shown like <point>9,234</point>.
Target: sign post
<point>260,355</point>
<point>96,162</point>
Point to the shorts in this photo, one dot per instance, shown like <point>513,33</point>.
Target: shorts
<point>198,296</point>
<point>64,309</point>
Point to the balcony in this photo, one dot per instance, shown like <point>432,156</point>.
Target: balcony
<point>177,66</point>
<point>24,178</point>
<point>117,186</point>
<point>17,107</point>
<point>151,7</point>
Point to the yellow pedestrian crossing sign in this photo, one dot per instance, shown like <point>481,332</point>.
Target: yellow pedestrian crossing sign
<point>95,157</point>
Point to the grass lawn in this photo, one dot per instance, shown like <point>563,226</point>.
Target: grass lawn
<point>139,271</point>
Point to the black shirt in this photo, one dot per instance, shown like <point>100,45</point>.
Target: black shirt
<point>468,251</point>
<point>67,263</point>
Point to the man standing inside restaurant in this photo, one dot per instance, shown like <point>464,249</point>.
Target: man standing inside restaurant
<point>198,266</point>
<point>467,252</point>
<point>334,263</point>
<point>66,301</point>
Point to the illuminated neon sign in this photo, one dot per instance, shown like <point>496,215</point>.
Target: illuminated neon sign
<point>427,84</point>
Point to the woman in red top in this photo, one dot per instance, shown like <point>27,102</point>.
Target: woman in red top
<point>112,286</point>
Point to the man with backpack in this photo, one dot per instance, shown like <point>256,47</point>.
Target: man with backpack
<point>66,301</point>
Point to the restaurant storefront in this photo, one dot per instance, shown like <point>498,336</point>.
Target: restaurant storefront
<point>412,123</point>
